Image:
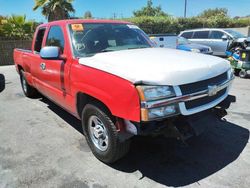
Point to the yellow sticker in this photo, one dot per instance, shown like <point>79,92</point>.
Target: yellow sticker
<point>77,27</point>
<point>243,55</point>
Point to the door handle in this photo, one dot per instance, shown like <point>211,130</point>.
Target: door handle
<point>43,66</point>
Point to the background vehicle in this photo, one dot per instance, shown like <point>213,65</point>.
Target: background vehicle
<point>180,43</point>
<point>240,62</point>
<point>106,73</point>
<point>2,82</point>
<point>185,44</point>
<point>218,39</point>
<point>164,40</point>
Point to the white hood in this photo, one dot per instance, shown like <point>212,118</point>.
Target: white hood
<point>158,66</point>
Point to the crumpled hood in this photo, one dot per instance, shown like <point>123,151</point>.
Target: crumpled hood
<point>158,66</point>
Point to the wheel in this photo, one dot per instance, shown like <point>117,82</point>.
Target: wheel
<point>101,134</point>
<point>28,90</point>
<point>243,74</point>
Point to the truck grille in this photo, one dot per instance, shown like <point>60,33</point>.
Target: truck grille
<point>203,85</point>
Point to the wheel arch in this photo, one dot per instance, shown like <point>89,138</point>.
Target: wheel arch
<point>82,99</point>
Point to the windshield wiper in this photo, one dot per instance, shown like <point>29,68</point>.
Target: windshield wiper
<point>137,47</point>
<point>107,50</point>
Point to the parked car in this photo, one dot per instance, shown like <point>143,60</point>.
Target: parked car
<point>164,40</point>
<point>180,43</point>
<point>2,82</point>
<point>186,45</point>
<point>107,74</point>
<point>218,39</point>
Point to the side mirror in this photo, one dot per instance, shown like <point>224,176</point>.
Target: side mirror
<point>2,82</point>
<point>224,37</point>
<point>50,53</point>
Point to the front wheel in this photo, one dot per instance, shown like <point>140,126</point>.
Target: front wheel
<point>243,74</point>
<point>101,134</point>
<point>28,90</point>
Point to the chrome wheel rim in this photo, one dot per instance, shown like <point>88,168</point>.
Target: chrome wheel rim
<point>24,83</point>
<point>98,133</point>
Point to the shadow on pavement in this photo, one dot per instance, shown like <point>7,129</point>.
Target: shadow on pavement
<point>170,162</point>
<point>70,119</point>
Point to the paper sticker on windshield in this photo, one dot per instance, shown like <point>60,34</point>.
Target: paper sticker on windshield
<point>133,26</point>
<point>77,27</point>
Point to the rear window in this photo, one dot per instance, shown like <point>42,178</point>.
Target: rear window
<point>201,35</point>
<point>187,35</point>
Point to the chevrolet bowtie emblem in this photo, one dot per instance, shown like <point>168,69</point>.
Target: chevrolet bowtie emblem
<point>212,90</point>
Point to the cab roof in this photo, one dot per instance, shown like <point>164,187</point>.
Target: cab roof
<point>72,21</point>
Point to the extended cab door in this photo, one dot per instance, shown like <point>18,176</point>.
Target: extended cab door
<point>55,73</point>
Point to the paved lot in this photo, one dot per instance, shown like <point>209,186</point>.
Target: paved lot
<point>42,146</point>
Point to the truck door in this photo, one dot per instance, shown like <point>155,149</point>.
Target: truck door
<point>55,72</point>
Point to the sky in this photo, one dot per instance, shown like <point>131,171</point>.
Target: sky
<point>125,8</point>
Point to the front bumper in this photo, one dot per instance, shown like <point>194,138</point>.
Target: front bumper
<point>187,125</point>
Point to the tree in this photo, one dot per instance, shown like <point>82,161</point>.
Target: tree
<point>16,27</point>
<point>150,10</point>
<point>223,12</point>
<point>87,15</point>
<point>55,9</point>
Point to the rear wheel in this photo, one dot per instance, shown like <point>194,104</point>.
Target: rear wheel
<point>101,134</point>
<point>28,90</point>
<point>243,74</point>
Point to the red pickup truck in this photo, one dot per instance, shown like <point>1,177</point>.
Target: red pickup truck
<point>109,75</point>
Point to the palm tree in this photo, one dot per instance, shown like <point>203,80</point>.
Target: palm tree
<point>16,27</point>
<point>55,9</point>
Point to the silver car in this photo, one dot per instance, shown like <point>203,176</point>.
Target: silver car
<point>217,39</point>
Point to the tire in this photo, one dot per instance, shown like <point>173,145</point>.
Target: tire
<point>28,90</point>
<point>243,74</point>
<point>101,134</point>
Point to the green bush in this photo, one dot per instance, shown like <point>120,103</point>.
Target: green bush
<point>168,24</point>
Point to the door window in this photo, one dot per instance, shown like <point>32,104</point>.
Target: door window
<point>39,40</point>
<point>201,35</point>
<point>187,35</point>
<point>55,37</point>
<point>216,35</point>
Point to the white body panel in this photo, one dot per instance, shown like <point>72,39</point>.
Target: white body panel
<point>158,66</point>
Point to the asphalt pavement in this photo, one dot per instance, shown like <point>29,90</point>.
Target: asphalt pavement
<point>41,145</point>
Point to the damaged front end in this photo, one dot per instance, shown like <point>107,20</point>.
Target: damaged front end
<point>183,127</point>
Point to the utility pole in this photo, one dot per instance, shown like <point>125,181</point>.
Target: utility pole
<point>185,9</point>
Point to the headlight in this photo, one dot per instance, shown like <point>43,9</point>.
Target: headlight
<point>209,49</point>
<point>195,50</point>
<point>155,95</point>
<point>150,93</point>
<point>230,73</point>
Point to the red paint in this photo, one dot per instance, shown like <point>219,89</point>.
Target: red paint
<point>62,81</point>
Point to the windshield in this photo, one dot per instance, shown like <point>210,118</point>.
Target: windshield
<point>235,34</point>
<point>90,39</point>
<point>183,41</point>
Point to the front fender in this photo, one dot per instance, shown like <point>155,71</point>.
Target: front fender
<point>119,95</point>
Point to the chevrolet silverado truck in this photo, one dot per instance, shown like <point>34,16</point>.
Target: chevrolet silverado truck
<point>110,76</point>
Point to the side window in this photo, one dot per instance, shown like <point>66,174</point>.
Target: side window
<point>161,39</point>
<point>55,37</point>
<point>216,35</point>
<point>187,35</point>
<point>39,40</point>
<point>201,35</point>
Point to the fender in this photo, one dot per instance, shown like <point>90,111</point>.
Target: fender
<point>122,101</point>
